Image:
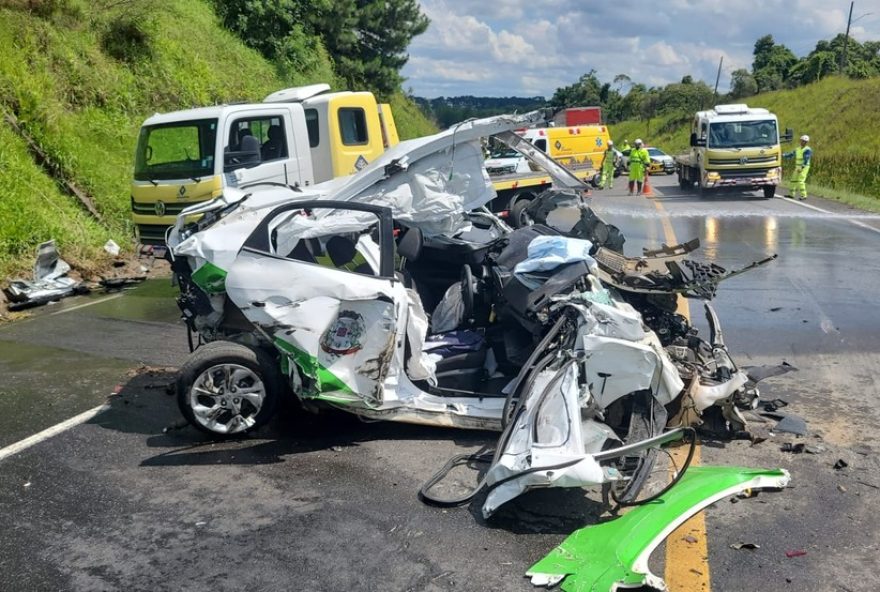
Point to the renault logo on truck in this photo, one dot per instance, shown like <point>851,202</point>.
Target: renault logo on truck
<point>181,193</point>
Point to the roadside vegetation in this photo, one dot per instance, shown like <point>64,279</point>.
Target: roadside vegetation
<point>840,116</point>
<point>78,78</point>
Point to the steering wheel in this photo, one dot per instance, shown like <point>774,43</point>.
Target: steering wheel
<point>467,293</point>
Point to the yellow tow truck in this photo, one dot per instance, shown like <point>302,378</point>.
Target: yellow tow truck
<point>297,136</point>
<point>579,148</point>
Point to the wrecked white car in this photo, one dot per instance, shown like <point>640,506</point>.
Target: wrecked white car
<point>392,294</point>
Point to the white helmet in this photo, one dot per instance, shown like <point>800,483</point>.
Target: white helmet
<point>638,141</point>
<point>805,138</point>
<point>611,142</point>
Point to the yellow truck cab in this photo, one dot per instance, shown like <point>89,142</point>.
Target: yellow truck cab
<point>579,148</point>
<point>296,136</point>
<point>733,147</point>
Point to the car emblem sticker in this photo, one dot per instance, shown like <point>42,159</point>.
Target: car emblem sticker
<point>343,337</point>
<point>360,163</point>
<point>181,192</point>
<point>599,142</point>
<point>744,160</point>
<point>160,208</point>
<point>558,145</point>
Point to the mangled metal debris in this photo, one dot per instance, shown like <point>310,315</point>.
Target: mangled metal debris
<point>338,294</point>
<point>614,555</point>
<point>50,281</point>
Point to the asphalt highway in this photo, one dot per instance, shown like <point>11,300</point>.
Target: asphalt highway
<point>131,500</point>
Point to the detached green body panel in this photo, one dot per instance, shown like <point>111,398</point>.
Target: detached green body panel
<point>210,278</point>
<point>614,555</point>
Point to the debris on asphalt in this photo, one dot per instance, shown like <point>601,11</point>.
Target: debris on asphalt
<point>771,406</point>
<point>115,284</point>
<point>795,553</point>
<point>759,373</point>
<point>690,539</point>
<point>792,424</point>
<point>840,464</point>
<point>793,448</point>
<point>841,489</point>
<point>750,546</point>
<point>614,554</point>
<point>50,281</point>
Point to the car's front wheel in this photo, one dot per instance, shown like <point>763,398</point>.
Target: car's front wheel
<point>228,389</point>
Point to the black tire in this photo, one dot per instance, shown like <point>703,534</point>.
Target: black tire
<point>683,183</point>
<point>646,419</point>
<point>215,360</point>
<point>769,191</point>
<point>518,216</point>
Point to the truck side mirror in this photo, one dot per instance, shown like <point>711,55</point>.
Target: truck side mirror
<point>787,136</point>
<point>695,141</point>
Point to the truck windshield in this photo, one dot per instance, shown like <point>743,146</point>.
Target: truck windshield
<point>743,134</point>
<point>179,150</point>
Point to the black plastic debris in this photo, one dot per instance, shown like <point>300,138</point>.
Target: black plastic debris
<point>792,424</point>
<point>840,464</point>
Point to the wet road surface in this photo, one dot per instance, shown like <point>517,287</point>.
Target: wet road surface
<point>328,502</point>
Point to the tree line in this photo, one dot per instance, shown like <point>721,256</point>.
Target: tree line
<point>774,67</point>
<point>366,40</point>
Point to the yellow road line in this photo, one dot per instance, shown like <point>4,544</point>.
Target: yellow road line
<point>687,550</point>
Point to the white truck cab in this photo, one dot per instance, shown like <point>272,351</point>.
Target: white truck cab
<point>297,136</point>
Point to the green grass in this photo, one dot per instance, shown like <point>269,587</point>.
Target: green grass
<point>841,118</point>
<point>81,76</point>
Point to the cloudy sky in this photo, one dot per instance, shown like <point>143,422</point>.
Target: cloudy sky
<point>531,47</point>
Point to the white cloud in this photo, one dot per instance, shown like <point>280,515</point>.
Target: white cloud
<point>528,47</point>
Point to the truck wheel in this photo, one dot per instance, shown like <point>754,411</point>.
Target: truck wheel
<point>518,215</point>
<point>683,183</point>
<point>769,191</point>
<point>228,389</point>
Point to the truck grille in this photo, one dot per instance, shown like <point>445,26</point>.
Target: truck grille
<point>736,173</point>
<point>152,234</point>
<point>149,209</point>
<point>736,161</point>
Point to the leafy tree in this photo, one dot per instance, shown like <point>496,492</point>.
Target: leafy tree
<point>586,91</point>
<point>366,38</point>
<point>687,79</point>
<point>742,84</point>
<point>771,63</point>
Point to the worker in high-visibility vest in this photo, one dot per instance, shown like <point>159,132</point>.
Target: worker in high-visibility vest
<point>625,146</point>
<point>609,161</point>
<point>341,253</point>
<point>802,157</point>
<point>639,161</point>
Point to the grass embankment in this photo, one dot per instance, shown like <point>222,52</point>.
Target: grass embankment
<point>81,76</point>
<point>841,117</point>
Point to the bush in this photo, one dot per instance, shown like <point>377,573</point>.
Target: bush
<point>127,39</point>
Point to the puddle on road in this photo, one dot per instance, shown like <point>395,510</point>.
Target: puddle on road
<point>43,386</point>
<point>703,213</point>
<point>151,301</point>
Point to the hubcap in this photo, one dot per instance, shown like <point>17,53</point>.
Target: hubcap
<point>226,398</point>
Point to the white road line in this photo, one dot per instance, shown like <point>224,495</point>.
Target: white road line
<point>824,211</point>
<point>78,306</point>
<point>49,432</point>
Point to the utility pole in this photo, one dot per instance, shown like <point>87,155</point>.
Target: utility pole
<point>846,39</point>
<point>717,79</point>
